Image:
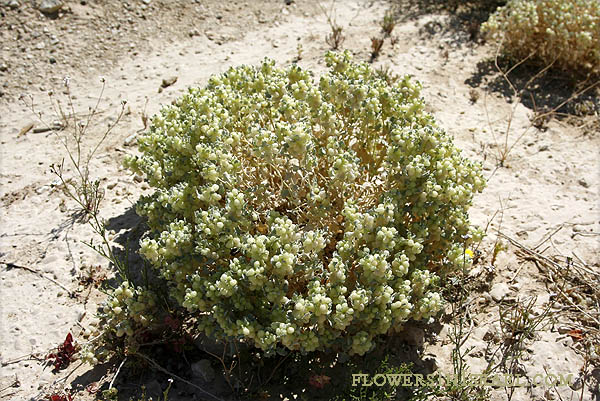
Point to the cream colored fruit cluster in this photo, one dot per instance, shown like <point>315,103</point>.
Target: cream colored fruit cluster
<point>128,313</point>
<point>300,214</point>
<point>566,32</point>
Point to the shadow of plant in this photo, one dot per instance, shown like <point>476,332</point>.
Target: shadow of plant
<point>129,228</point>
<point>330,376</point>
<point>240,372</point>
<point>550,91</point>
<point>466,16</point>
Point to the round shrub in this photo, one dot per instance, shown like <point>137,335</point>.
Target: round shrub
<point>566,32</point>
<point>306,215</point>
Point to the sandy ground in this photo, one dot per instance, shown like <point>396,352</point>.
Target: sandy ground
<point>548,185</point>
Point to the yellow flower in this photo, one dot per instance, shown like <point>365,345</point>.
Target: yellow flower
<point>469,253</point>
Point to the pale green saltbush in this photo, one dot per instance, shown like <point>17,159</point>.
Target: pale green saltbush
<point>128,312</point>
<point>566,32</point>
<point>308,216</point>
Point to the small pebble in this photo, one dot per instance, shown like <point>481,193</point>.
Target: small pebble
<point>166,82</point>
<point>499,291</point>
<point>50,6</point>
<point>130,140</point>
<point>583,183</point>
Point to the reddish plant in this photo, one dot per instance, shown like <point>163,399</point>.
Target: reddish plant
<point>60,397</point>
<point>173,323</point>
<point>64,354</point>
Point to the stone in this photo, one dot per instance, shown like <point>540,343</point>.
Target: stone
<point>499,291</point>
<point>476,271</point>
<point>203,370</point>
<point>515,286</point>
<point>14,4</point>
<point>130,140</point>
<point>3,67</point>
<point>42,189</point>
<point>50,6</point>
<point>166,82</point>
<point>493,333</point>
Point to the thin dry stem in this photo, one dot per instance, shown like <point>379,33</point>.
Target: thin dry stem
<point>553,268</point>
<point>505,149</point>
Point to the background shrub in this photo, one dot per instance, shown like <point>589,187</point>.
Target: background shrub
<point>310,216</point>
<point>566,32</point>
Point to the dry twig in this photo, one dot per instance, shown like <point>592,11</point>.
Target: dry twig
<point>552,268</point>
<point>29,269</point>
